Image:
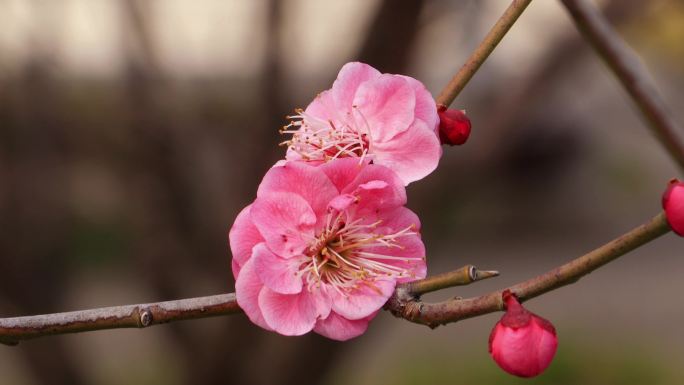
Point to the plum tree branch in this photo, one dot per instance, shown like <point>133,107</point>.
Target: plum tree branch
<point>482,52</point>
<point>629,70</point>
<point>405,302</point>
<point>13,330</point>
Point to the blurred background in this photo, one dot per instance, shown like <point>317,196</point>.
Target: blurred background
<point>132,132</point>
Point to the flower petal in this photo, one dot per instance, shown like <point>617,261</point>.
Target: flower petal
<point>377,188</point>
<point>363,301</point>
<point>345,87</point>
<point>322,300</point>
<point>285,220</point>
<point>247,289</point>
<point>386,106</point>
<point>323,107</point>
<point>305,180</point>
<point>235,267</point>
<point>398,219</point>
<point>341,202</point>
<point>288,314</point>
<point>342,171</point>
<point>339,328</point>
<point>243,236</point>
<point>278,274</point>
<point>411,246</point>
<point>426,107</point>
<point>411,249</point>
<point>412,154</point>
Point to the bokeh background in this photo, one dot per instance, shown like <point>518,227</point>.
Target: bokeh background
<point>132,132</point>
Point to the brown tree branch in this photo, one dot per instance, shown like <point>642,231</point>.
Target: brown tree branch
<point>13,330</point>
<point>407,304</point>
<point>481,53</point>
<point>622,60</point>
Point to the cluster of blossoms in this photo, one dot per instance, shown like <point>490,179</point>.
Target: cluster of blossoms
<point>328,238</point>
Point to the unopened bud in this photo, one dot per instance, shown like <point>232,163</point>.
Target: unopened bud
<point>673,204</point>
<point>454,126</point>
<point>522,343</point>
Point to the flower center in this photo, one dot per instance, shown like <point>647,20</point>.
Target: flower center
<point>345,255</point>
<point>318,139</point>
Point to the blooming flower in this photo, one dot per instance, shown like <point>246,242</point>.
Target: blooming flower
<point>673,204</point>
<point>389,119</point>
<point>522,343</point>
<point>322,247</point>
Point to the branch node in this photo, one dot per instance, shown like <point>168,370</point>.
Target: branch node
<point>145,318</point>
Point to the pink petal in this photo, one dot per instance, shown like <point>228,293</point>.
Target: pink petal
<point>426,107</point>
<point>303,179</point>
<point>342,171</point>
<point>288,314</point>
<point>374,185</point>
<point>413,249</point>
<point>278,274</point>
<point>350,78</point>
<point>323,301</point>
<point>323,107</point>
<point>339,328</point>
<point>386,105</point>
<point>247,288</point>
<point>341,202</point>
<point>235,267</point>
<point>412,154</point>
<point>368,187</point>
<point>398,219</point>
<point>363,301</point>
<point>243,236</point>
<point>285,220</point>
<point>411,245</point>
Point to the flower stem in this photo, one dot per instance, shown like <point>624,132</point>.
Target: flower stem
<point>629,70</point>
<point>482,52</point>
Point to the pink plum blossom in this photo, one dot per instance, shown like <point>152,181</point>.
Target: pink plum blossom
<point>522,343</point>
<point>322,247</point>
<point>389,119</point>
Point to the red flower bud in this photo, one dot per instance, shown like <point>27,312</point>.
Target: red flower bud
<point>673,204</point>
<point>522,343</point>
<point>454,126</point>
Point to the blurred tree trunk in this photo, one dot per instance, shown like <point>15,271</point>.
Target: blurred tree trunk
<point>390,37</point>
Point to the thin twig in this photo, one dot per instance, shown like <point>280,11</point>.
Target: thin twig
<point>435,314</point>
<point>13,330</point>
<point>405,302</point>
<point>481,53</point>
<point>626,65</point>
<point>463,276</point>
